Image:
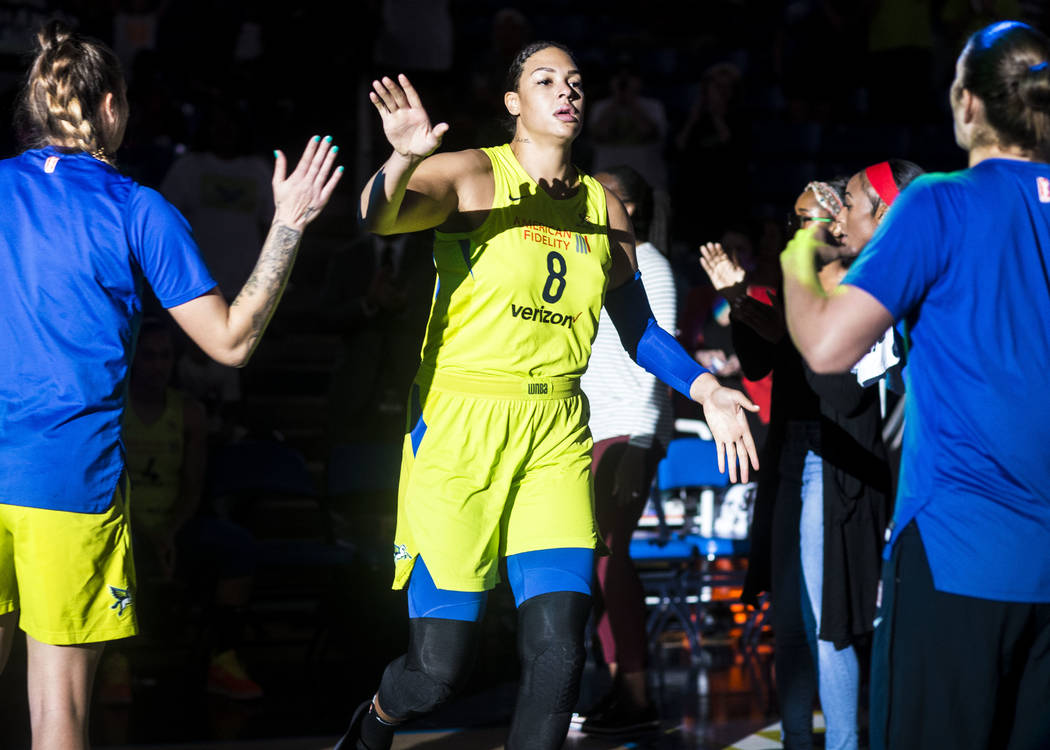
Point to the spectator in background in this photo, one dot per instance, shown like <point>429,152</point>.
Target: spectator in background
<point>631,424</point>
<point>705,328</point>
<point>841,534</point>
<point>223,190</point>
<point>629,128</point>
<point>709,178</point>
<point>165,435</point>
<point>791,478</point>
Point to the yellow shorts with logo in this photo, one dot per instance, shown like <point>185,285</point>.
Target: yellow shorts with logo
<point>491,468</point>
<point>70,574</point>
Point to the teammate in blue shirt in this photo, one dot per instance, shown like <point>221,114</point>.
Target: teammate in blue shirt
<point>77,242</point>
<point>962,642</point>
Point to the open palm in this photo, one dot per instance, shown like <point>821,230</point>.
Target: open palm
<point>405,121</point>
<point>721,269</point>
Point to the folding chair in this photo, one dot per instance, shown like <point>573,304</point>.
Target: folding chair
<point>674,566</point>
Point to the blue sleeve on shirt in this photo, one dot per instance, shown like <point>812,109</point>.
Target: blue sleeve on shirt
<point>163,245</point>
<point>909,251</point>
<point>648,344</point>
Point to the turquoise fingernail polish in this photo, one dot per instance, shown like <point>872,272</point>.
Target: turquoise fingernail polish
<point>328,139</point>
<point>339,170</point>
<point>335,149</point>
<point>316,138</point>
<point>275,154</point>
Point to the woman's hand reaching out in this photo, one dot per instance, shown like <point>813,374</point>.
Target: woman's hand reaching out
<point>719,267</point>
<point>405,121</point>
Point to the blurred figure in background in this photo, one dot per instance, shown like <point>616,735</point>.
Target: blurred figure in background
<point>165,434</point>
<point>631,424</point>
<point>223,190</point>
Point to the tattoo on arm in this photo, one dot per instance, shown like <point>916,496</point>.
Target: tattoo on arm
<point>269,275</point>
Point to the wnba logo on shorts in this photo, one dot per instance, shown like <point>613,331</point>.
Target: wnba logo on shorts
<point>1043,186</point>
<point>536,389</point>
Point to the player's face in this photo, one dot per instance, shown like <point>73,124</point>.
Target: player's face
<point>549,99</point>
<point>858,220</point>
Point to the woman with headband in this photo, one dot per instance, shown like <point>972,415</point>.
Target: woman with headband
<point>791,455</point>
<point>868,196</point>
<point>870,193</point>
<point>841,536</point>
<point>961,652</point>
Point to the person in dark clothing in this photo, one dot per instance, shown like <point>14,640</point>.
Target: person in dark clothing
<point>818,523</point>
<point>762,345</point>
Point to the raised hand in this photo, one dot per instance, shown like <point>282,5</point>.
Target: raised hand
<point>719,267</point>
<point>405,121</point>
<point>300,196</point>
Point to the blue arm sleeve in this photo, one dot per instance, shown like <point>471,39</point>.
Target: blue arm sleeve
<point>648,344</point>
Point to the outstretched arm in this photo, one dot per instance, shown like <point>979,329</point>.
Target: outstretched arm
<point>410,192</point>
<point>230,333</point>
<point>658,352</point>
<point>831,331</point>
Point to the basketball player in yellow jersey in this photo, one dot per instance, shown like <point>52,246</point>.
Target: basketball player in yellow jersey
<point>497,450</point>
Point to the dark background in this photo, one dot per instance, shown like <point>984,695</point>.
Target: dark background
<point>808,90</point>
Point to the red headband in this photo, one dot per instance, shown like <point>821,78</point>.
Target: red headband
<point>881,178</point>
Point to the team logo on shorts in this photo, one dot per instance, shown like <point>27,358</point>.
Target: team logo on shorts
<point>123,599</point>
<point>401,553</point>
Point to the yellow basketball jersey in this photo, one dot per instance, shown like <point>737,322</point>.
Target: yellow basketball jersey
<point>520,295</point>
<point>154,461</point>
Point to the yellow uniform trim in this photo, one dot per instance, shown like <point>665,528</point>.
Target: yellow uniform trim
<point>70,574</point>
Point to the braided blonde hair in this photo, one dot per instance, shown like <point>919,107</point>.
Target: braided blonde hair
<point>61,101</point>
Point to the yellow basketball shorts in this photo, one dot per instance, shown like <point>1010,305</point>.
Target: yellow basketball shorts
<point>491,468</point>
<point>71,574</point>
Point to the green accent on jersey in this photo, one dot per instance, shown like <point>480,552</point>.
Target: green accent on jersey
<point>520,295</point>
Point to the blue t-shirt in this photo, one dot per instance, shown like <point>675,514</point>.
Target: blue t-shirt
<point>77,239</point>
<point>964,258</point>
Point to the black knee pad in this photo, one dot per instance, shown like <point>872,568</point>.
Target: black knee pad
<point>550,644</point>
<point>439,660</point>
